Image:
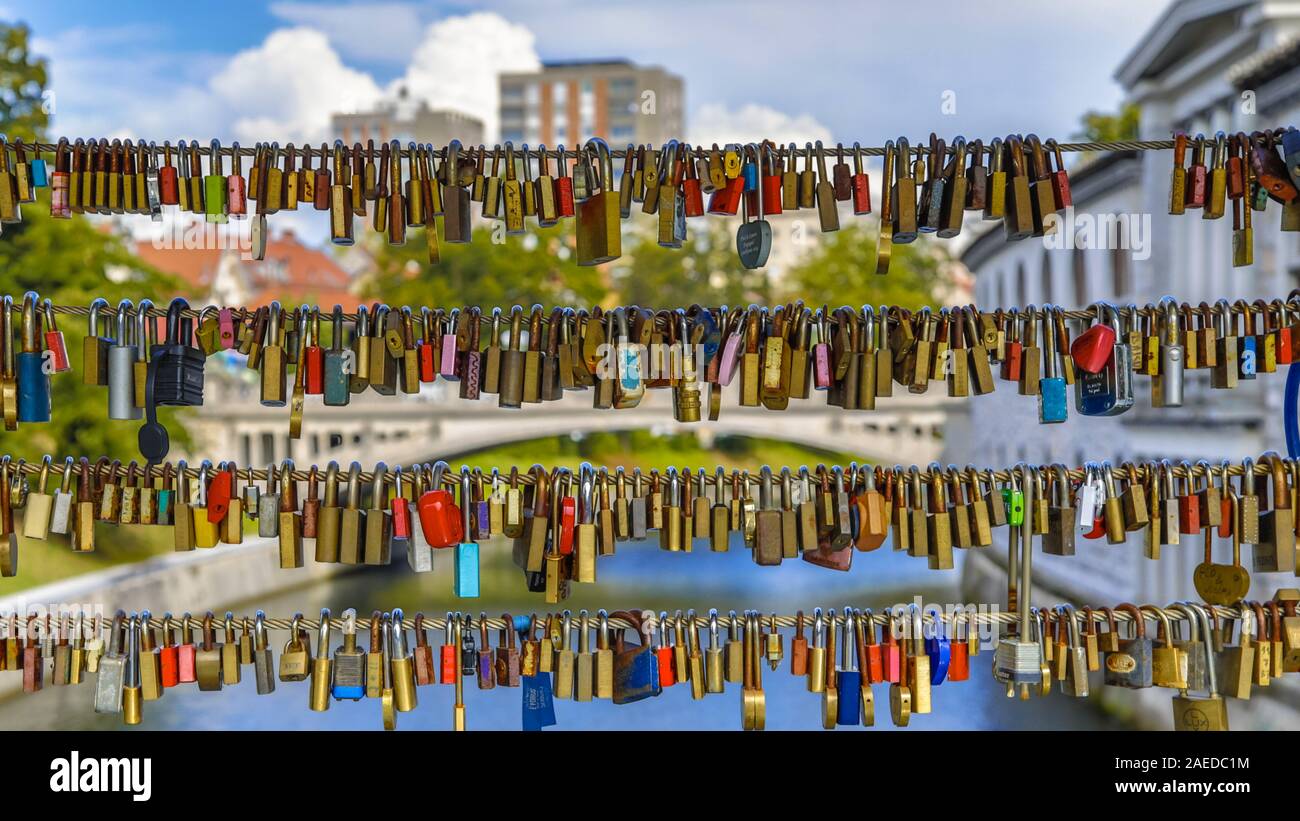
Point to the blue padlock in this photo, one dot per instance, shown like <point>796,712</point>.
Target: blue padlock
<point>1247,344</point>
<point>636,667</point>
<point>538,702</point>
<point>750,172</point>
<point>39,175</point>
<point>939,649</point>
<point>33,381</point>
<point>848,676</point>
<point>1052,404</point>
<point>465,584</point>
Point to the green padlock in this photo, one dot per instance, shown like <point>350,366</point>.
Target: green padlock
<point>214,187</point>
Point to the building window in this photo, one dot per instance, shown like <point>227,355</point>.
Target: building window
<point>1119,271</point>
<point>1079,273</point>
<point>1045,277</point>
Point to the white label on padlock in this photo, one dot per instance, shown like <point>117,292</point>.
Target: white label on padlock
<point>1091,496</point>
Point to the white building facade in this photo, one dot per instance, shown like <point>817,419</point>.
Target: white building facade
<point>1204,66</point>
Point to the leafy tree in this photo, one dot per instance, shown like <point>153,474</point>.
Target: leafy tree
<point>22,86</point>
<point>705,270</point>
<point>1100,126</point>
<point>535,268</point>
<point>844,268</point>
<point>67,261</point>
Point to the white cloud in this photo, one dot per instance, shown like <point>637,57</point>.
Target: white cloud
<point>381,32</point>
<point>715,123</point>
<point>457,63</point>
<point>272,94</point>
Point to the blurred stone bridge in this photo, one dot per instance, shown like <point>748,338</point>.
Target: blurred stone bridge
<point>436,424</point>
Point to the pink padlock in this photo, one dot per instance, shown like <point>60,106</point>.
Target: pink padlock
<point>447,362</point>
<point>226,328</point>
<point>729,358</point>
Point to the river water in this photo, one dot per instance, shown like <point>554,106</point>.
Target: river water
<point>640,576</point>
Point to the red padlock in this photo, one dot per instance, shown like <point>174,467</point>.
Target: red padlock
<point>667,676</point>
<point>891,653</point>
<point>1285,337</point>
<point>219,490</point>
<point>1060,178</point>
<point>169,655</point>
<point>168,191</point>
<point>568,515</point>
<point>692,194</point>
<point>399,509</point>
<point>861,184</point>
<point>875,666</point>
<point>563,186</point>
<point>54,343</point>
<point>726,200</point>
<point>440,517</point>
<point>314,358</point>
<point>1011,361</point>
<point>448,663</point>
<point>1093,348</point>
<point>959,652</point>
<point>1189,505</point>
<point>427,347</point>
<point>769,176</point>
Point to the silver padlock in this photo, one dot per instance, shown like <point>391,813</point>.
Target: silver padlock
<point>121,369</point>
<point>1171,356</point>
<point>419,555</point>
<point>61,509</point>
<point>268,507</point>
<point>112,670</point>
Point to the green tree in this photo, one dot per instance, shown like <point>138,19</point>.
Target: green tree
<point>22,86</point>
<point>535,268</point>
<point>67,261</point>
<point>843,268</point>
<point>705,270</point>
<point>1100,126</point>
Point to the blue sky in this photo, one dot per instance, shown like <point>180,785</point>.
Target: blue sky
<point>824,69</point>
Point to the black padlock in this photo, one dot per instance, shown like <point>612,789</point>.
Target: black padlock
<point>174,377</point>
<point>178,378</point>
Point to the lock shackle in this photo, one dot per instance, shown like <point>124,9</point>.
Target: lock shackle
<point>1224,487</point>
<point>1061,485</point>
<point>354,486</point>
<point>124,311</point>
<point>1106,313</point>
<point>669,162</point>
<point>848,640</point>
<point>145,330</point>
<point>466,501</point>
<point>917,634</point>
<point>377,487</point>
<point>604,161</point>
<point>397,648</point>
<point>174,320</point>
<point>1247,476</point>
<point>1066,612</point>
<point>1280,492</point>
